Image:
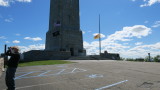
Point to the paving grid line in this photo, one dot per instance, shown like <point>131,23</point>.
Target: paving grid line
<point>59,66</point>
<point>42,74</point>
<point>108,86</point>
<point>105,87</point>
<point>43,84</point>
<point>42,70</point>
<point>34,86</point>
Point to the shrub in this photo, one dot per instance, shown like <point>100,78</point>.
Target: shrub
<point>147,59</point>
<point>139,59</point>
<point>157,58</point>
<point>130,59</point>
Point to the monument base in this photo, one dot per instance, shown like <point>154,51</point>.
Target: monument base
<point>36,55</point>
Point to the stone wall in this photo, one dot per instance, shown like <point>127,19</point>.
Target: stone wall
<point>113,56</point>
<point>72,39</point>
<point>46,55</point>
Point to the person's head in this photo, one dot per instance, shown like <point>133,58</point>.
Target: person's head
<point>15,49</point>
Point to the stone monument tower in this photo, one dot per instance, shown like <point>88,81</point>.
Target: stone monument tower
<point>64,32</point>
<point>64,37</point>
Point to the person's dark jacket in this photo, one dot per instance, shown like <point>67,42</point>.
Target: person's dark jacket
<point>14,59</point>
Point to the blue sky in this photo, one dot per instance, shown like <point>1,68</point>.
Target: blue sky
<point>129,27</point>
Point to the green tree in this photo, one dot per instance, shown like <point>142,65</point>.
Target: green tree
<point>147,59</point>
<point>139,59</point>
<point>157,58</point>
<point>130,59</point>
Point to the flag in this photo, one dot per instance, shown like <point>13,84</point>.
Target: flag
<point>97,36</point>
<point>56,33</point>
<point>57,24</point>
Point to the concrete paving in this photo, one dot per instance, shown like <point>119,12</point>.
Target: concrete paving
<point>1,66</point>
<point>89,75</point>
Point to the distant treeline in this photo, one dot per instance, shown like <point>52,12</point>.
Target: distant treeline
<point>146,59</point>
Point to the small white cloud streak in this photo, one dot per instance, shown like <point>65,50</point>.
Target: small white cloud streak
<point>9,20</point>
<point>33,39</point>
<point>6,3</point>
<point>16,41</point>
<point>7,42</point>
<point>146,22</point>
<point>89,31</point>
<point>18,34</point>
<point>139,43</point>
<point>149,3</point>
<point>3,37</point>
<point>83,32</point>
<point>1,16</point>
<point>157,24</point>
<point>32,47</point>
<point>133,0</point>
<point>24,0</point>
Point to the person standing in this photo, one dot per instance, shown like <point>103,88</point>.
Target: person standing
<point>12,64</point>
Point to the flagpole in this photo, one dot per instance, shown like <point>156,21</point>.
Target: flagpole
<point>99,34</point>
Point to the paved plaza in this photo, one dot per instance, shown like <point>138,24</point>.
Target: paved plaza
<point>89,75</point>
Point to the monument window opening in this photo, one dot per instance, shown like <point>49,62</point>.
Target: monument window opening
<point>80,50</point>
<point>69,19</point>
<point>72,51</point>
<point>57,24</point>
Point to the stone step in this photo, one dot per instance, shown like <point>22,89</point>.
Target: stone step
<point>92,57</point>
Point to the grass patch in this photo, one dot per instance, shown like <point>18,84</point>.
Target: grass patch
<point>46,62</point>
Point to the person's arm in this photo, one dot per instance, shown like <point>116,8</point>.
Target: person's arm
<point>8,53</point>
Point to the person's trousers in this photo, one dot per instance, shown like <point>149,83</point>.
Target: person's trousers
<point>10,75</point>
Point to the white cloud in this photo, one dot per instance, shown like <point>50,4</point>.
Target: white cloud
<point>18,34</point>
<point>83,32</point>
<point>125,43</point>
<point>33,39</point>
<point>24,0</point>
<point>157,24</point>
<point>7,3</point>
<point>133,0</point>
<point>124,50</point>
<point>101,35</point>
<point>9,20</point>
<point>1,16</point>
<point>143,50</point>
<point>113,43</point>
<point>89,31</point>
<point>7,42</point>
<point>139,43</point>
<point>16,41</point>
<point>149,3</point>
<point>146,21</point>
<point>128,32</point>
<point>112,47</point>
<point>32,47</point>
<point>4,3</point>
<point>3,37</point>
